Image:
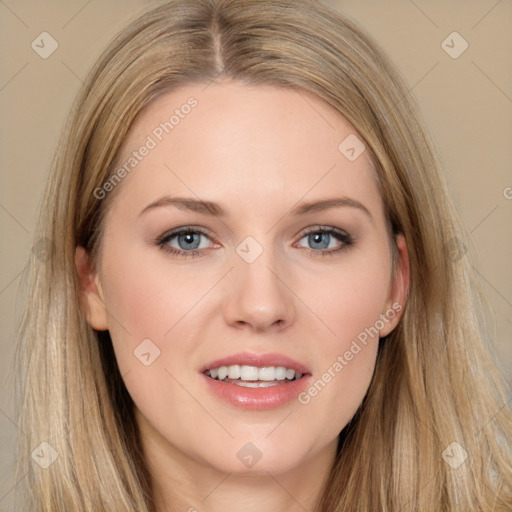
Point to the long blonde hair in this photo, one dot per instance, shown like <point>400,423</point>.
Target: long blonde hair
<point>434,383</point>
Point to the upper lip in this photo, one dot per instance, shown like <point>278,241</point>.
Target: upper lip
<point>260,360</point>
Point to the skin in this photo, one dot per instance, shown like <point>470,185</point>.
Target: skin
<point>257,152</point>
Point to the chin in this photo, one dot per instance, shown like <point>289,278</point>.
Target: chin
<point>258,457</point>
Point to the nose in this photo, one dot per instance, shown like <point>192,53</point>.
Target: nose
<point>258,297</point>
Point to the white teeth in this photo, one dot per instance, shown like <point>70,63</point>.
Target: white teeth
<point>267,373</point>
<point>253,374</point>
<point>249,373</point>
<point>234,371</point>
<point>280,373</point>
<point>223,373</point>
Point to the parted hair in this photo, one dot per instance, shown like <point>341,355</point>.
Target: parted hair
<point>436,381</point>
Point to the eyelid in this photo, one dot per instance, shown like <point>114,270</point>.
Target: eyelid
<point>323,227</point>
<point>184,229</point>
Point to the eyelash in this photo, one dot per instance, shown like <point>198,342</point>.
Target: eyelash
<point>162,241</point>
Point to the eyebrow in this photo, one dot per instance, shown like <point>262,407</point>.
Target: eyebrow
<point>211,208</point>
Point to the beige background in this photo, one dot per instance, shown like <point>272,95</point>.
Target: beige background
<point>467,103</point>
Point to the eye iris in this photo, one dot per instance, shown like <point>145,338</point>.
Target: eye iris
<point>318,238</point>
<point>189,238</point>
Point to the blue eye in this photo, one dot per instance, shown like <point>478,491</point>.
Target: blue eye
<point>320,239</point>
<point>189,241</point>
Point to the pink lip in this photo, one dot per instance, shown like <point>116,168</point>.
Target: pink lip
<point>251,359</point>
<point>257,398</point>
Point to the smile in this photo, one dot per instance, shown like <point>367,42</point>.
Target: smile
<point>254,376</point>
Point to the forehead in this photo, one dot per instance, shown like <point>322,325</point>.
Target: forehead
<point>234,142</point>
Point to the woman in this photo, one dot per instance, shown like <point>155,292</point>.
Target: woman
<point>186,346</point>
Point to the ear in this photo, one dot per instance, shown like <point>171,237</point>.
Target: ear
<point>91,296</point>
<point>398,290</point>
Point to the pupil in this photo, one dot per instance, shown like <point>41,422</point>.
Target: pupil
<point>189,239</point>
<point>317,238</point>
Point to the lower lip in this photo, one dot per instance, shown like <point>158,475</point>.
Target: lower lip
<point>257,398</point>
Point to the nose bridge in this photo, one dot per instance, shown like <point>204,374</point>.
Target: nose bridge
<point>258,295</point>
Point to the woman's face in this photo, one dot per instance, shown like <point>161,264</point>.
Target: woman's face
<point>275,255</point>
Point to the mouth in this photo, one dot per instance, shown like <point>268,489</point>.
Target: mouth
<point>254,376</point>
<point>256,381</point>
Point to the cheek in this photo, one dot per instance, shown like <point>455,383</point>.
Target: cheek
<point>149,301</point>
<point>350,297</point>
<point>349,304</point>
<point>146,295</point>
<point>144,302</point>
